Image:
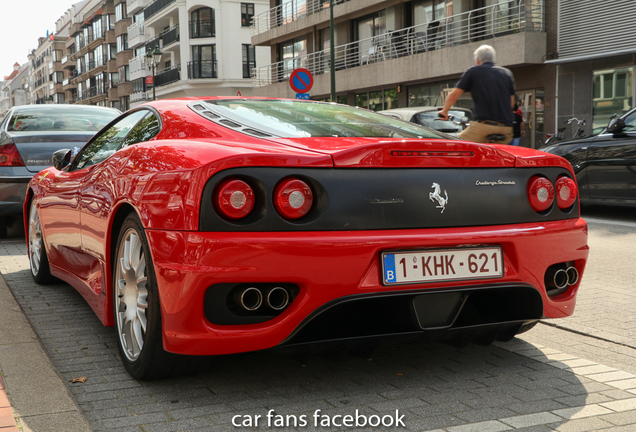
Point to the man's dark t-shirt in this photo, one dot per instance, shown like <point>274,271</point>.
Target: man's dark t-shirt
<point>491,87</point>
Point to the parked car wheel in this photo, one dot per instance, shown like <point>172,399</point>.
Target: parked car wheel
<point>136,305</point>
<point>37,252</point>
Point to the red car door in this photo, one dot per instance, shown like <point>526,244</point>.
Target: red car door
<point>60,219</point>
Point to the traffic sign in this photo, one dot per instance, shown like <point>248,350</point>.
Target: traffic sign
<point>304,96</point>
<point>301,80</point>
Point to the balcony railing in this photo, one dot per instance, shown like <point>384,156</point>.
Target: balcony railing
<point>171,35</point>
<point>132,6</point>
<point>475,25</point>
<point>155,7</point>
<point>202,29</point>
<point>288,12</point>
<point>137,67</point>
<point>135,30</point>
<point>152,43</point>
<point>167,76</point>
<point>202,69</point>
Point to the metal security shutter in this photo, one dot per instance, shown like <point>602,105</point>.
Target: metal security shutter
<point>588,27</point>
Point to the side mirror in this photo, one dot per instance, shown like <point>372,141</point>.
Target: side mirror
<point>63,157</point>
<point>615,126</point>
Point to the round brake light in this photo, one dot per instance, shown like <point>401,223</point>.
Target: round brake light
<point>293,198</point>
<point>540,193</point>
<point>234,199</point>
<point>565,192</point>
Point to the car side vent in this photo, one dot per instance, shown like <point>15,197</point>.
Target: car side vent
<point>198,107</point>
<point>229,123</point>
<point>210,114</point>
<point>256,133</point>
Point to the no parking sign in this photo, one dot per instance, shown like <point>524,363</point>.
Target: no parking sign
<point>301,80</point>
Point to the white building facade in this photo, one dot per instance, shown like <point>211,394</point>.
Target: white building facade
<point>205,44</point>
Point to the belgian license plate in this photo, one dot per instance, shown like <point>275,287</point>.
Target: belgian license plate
<point>442,265</point>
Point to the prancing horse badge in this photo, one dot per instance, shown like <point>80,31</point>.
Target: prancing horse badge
<point>436,195</point>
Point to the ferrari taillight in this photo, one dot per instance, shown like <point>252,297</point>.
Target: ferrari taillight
<point>233,199</point>
<point>9,156</point>
<point>540,193</point>
<point>293,198</point>
<point>565,192</point>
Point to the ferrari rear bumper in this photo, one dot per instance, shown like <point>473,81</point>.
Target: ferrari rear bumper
<point>337,283</point>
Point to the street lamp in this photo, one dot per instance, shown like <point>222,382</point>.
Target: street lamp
<point>153,58</point>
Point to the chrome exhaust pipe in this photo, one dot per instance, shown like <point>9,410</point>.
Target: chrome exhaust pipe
<point>277,298</point>
<point>573,275</point>
<point>560,279</point>
<point>249,298</point>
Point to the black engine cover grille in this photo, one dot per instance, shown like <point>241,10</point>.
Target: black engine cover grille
<point>396,198</point>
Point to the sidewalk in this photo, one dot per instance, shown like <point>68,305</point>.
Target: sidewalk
<point>32,393</point>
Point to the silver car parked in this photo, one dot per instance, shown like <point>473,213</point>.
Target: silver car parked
<point>29,135</point>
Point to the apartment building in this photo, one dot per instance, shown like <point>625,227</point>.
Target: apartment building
<point>205,47</point>
<point>399,53</point>
<point>14,90</point>
<point>46,73</point>
<point>595,77</point>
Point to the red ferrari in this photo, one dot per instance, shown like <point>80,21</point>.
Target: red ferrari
<point>208,226</point>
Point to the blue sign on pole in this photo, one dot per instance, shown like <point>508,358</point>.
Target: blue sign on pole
<point>301,80</point>
<point>304,96</point>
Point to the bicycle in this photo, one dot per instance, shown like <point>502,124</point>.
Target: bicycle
<point>560,136</point>
<point>492,138</point>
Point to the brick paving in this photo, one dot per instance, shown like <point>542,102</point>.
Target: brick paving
<point>548,379</point>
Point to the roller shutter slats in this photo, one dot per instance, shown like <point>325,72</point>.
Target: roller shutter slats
<point>588,27</point>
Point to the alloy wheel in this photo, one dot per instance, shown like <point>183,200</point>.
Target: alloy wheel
<point>131,296</point>
<point>35,240</point>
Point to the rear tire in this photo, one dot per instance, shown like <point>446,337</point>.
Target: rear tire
<point>137,308</point>
<point>38,260</point>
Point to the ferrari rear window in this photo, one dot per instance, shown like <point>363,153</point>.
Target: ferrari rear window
<point>303,119</point>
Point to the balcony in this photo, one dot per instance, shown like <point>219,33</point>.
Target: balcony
<point>167,76</point>
<point>170,36</point>
<point>154,42</point>
<point>202,69</point>
<point>137,35</point>
<point>513,19</point>
<point>289,12</point>
<point>134,6</point>
<point>155,7</point>
<point>137,68</point>
<point>139,96</point>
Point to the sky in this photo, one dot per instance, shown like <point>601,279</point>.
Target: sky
<point>22,22</point>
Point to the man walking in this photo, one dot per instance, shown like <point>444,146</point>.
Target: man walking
<point>493,92</point>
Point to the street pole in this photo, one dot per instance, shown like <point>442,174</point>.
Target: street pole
<point>332,53</point>
<point>154,96</point>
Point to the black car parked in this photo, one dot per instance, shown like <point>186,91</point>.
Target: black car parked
<point>605,164</point>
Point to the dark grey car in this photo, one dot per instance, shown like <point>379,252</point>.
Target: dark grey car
<point>29,135</point>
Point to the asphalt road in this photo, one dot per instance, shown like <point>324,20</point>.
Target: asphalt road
<point>573,374</point>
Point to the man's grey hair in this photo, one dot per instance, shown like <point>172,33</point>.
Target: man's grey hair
<point>485,53</point>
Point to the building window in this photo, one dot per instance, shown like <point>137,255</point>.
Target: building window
<point>249,60</point>
<point>247,13</point>
<point>612,94</point>
<point>113,78</point>
<point>202,23</point>
<point>112,51</point>
<point>120,12</point>
<point>292,52</point>
<point>124,74</point>
<point>378,100</point>
<point>139,85</point>
<point>203,64</point>
<point>122,43</point>
<point>98,55</point>
<point>124,103</point>
<point>97,29</point>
